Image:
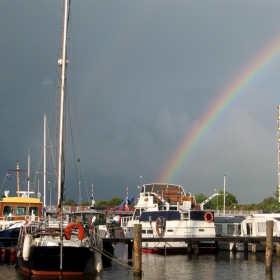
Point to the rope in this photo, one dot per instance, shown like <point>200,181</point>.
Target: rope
<point>112,258</point>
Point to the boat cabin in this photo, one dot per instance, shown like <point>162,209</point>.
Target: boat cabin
<point>20,208</point>
<point>228,226</point>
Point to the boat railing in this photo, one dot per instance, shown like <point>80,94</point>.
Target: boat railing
<point>236,212</point>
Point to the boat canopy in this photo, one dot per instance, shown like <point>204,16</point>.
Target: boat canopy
<point>160,187</point>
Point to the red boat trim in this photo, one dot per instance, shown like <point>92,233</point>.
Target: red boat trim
<point>50,273</point>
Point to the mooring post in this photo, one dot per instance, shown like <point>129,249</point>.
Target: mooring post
<point>246,250</point>
<point>269,245</point>
<point>129,250</point>
<point>189,247</point>
<point>137,246</point>
<point>196,248</point>
<point>254,248</point>
<point>7,255</point>
<point>277,249</point>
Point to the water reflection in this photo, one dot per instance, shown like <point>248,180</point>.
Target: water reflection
<point>222,265</point>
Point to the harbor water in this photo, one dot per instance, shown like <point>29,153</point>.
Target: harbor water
<point>221,265</point>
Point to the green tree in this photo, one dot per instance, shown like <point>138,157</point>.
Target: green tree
<point>115,201</point>
<point>102,203</point>
<point>248,207</point>
<point>85,203</point>
<point>200,197</point>
<point>269,204</point>
<point>70,202</point>
<point>230,200</point>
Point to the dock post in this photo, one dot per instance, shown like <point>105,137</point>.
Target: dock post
<point>129,251</point>
<point>196,248</point>
<point>269,245</point>
<point>277,249</point>
<point>7,255</point>
<point>189,247</point>
<point>254,248</point>
<point>246,250</point>
<point>137,246</point>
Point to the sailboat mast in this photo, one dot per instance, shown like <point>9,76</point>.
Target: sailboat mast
<point>45,162</point>
<point>28,173</point>
<point>278,143</point>
<point>63,63</point>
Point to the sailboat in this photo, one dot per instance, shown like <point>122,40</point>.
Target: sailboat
<point>70,250</point>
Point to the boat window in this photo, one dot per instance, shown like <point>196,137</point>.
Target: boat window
<point>150,231</point>
<point>8,210</point>
<point>249,228</point>
<point>201,229</point>
<point>34,210</point>
<point>198,215</point>
<point>232,229</point>
<point>262,226</point>
<point>20,211</point>
<point>218,228</point>
<point>143,231</point>
<point>153,215</point>
<point>137,214</point>
<point>170,230</point>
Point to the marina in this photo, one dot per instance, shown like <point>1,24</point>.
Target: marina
<point>205,266</point>
<point>166,234</point>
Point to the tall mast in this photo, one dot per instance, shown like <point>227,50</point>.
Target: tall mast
<point>63,63</point>
<point>61,160</point>
<point>45,162</point>
<point>28,173</point>
<point>278,136</point>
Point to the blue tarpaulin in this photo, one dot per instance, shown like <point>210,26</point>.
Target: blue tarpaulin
<point>130,200</point>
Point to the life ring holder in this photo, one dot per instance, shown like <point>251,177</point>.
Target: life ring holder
<point>160,226</point>
<point>71,226</point>
<point>209,217</point>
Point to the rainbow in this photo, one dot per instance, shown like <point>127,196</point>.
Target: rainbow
<point>218,107</point>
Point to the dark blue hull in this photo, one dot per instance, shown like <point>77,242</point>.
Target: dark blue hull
<point>45,260</point>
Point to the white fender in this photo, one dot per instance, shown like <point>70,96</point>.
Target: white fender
<point>26,247</point>
<point>98,258</point>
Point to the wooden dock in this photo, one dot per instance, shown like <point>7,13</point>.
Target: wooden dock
<point>245,239</point>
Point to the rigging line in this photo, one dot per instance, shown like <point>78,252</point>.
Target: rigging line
<point>73,146</point>
<point>72,138</point>
<point>74,115</point>
<point>3,183</point>
<point>110,256</point>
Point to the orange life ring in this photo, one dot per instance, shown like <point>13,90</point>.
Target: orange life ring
<point>71,226</point>
<point>209,217</point>
<point>160,226</point>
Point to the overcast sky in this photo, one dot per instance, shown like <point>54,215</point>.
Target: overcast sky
<point>141,76</point>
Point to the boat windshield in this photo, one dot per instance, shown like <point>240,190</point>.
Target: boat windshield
<point>33,210</point>
<point>159,187</point>
<point>96,218</point>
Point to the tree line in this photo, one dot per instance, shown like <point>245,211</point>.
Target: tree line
<point>115,201</point>
<point>269,204</point>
